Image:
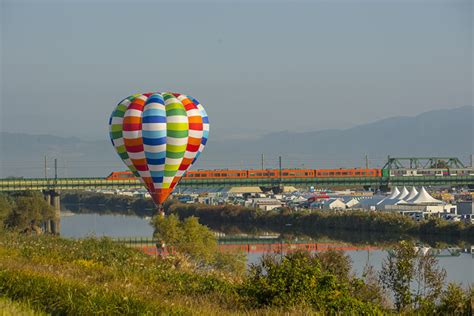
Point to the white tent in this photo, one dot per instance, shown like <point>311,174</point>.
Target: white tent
<point>388,202</point>
<point>403,194</point>
<point>413,193</point>
<point>393,195</point>
<point>424,197</point>
<point>371,202</point>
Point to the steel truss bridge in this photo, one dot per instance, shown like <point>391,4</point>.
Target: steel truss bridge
<point>102,183</point>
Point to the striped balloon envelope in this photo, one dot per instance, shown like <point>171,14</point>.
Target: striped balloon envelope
<point>159,136</point>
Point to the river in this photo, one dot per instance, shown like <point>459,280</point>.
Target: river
<point>459,269</point>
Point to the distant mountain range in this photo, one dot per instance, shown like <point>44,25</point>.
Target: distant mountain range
<point>436,133</point>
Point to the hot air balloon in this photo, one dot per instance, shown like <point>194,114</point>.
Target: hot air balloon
<point>159,136</point>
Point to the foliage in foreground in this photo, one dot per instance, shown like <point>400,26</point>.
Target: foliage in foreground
<point>99,276</point>
<point>414,277</point>
<point>196,241</point>
<point>10,308</point>
<point>94,276</point>
<point>300,279</point>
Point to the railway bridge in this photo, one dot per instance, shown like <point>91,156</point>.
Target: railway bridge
<point>52,187</point>
<point>61,184</point>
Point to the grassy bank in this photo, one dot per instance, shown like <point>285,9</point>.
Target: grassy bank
<point>97,276</point>
<point>93,276</point>
<point>10,308</point>
<point>48,274</point>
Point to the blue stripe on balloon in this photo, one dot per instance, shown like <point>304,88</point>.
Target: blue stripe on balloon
<point>154,134</point>
<point>154,141</point>
<point>205,119</point>
<point>156,161</point>
<point>157,179</point>
<point>147,118</point>
<point>158,155</point>
<point>154,112</point>
<point>155,98</point>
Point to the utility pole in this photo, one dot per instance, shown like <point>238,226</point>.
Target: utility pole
<point>45,169</point>
<point>279,163</point>
<point>366,161</point>
<point>263,159</point>
<point>55,169</point>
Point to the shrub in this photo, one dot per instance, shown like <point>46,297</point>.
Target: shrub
<point>196,241</point>
<point>414,278</point>
<point>456,301</point>
<point>298,280</point>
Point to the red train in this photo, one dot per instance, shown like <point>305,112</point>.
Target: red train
<point>268,173</point>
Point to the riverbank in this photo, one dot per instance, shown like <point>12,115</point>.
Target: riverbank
<point>353,226</point>
<point>375,226</point>
<point>52,275</point>
<point>98,276</point>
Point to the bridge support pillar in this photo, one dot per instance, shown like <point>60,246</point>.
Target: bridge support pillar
<point>56,204</point>
<point>53,226</point>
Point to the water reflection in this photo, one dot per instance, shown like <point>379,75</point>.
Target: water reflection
<point>459,268</point>
<point>117,225</point>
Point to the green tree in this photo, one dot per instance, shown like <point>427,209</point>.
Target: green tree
<point>335,262</point>
<point>414,278</point>
<point>398,271</point>
<point>196,241</point>
<point>29,208</point>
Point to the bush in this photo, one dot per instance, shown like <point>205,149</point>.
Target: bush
<point>414,278</point>
<point>298,280</point>
<point>456,301</point>
<point>196,241</point>
<point>28,208</point>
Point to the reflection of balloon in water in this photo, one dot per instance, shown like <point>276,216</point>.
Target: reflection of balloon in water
<point>159,136</point>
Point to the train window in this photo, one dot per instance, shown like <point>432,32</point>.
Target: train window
<point>331,173</point>
<point>203,175</point>
<point>285,173</point>
<point>259,174</point>
<point>272,174</point>
<point>251,174</point>
<point>338,173</point>
<point>357,173</point>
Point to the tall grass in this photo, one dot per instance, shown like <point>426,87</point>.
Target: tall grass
<point>11,308</point>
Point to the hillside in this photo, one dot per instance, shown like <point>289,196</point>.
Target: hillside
<point>439,133</point>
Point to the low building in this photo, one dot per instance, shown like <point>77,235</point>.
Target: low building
<point>465,207</point>
<point>266,204</point>
<point>330,204</point>
<point>426,209</point>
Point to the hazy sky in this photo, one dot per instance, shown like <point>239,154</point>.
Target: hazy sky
<point>257,67</point>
